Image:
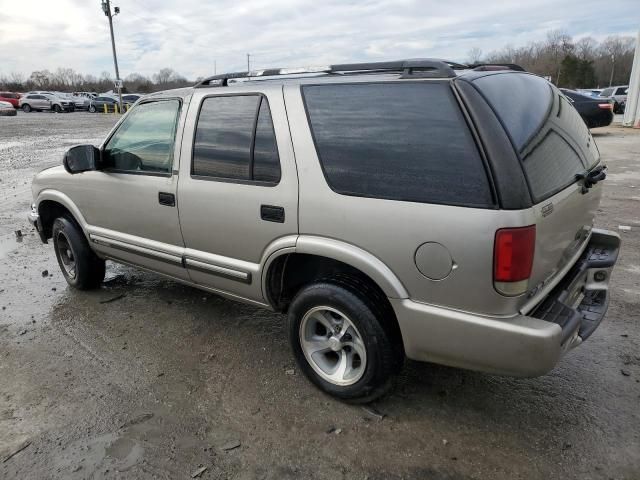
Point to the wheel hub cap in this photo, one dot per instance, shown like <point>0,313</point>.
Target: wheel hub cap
<point>65,255</point>
<point>333,346</point>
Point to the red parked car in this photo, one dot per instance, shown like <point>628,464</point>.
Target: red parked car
<point>12,98</point>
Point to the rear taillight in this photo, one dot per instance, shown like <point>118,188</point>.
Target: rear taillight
<point>606,106</point>
<point>513,259</point>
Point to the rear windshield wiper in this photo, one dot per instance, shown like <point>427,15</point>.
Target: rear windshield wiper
<point>591,177</point>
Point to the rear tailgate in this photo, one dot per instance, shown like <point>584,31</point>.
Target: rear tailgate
<point>554,146</point>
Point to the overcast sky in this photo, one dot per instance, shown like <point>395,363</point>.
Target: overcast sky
<point>188,35</point>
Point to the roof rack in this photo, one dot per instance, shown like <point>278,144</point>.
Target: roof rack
<point>483,67</point>
<point>415,68</point>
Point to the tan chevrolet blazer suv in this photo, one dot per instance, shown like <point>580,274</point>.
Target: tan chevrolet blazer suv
<point>416,208</point>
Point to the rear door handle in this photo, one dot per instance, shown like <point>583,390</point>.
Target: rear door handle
<point>272,213</point>
<point>168,199</point>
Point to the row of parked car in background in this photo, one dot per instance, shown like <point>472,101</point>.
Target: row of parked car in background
<point>616,94</point>
<point>63,102</point>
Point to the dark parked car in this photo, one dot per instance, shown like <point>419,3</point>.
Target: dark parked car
<point>130,98</point>
<point>98,104</point>
<point>11,97</point>
<point>595,111</point>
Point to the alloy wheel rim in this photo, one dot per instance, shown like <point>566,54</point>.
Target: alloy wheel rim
<point>333,346</point>
<point>66,255</point>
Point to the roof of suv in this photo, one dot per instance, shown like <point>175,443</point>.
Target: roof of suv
<point>426,68</point>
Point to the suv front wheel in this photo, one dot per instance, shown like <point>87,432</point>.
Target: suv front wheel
<point>80,266</point>
<point>340,342</point>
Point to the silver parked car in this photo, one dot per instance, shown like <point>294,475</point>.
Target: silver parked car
<point>392,210</point>
<point>45,101</point>
<point>618,95</point>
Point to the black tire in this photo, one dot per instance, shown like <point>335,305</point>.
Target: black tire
<point>57,109</point>
<point>72,249</point>
<point>384,357</point>
<point>92,108</point>
<point>26,108</point>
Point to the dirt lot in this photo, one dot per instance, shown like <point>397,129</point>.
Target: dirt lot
<point>146,378</point>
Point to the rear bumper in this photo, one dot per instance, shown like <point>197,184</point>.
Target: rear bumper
<point>523,345</point>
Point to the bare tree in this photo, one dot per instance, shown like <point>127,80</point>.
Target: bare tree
<point>586,48</point>
<point>474,55</point>
<point>165,76</point>
<point>615,47</point>
<point>559,45</point>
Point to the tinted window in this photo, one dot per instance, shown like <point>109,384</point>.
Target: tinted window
<point>621,91</point>
<point>145,139</point>
<point>550,136</point>
<point>222,146</point>
<point>266,163</point>
<point>232,143</point>
<point>396,141</point>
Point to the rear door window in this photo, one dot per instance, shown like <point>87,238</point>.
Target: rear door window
<point>549,135</point>
<point>397,141</point>
<point>235,140</point>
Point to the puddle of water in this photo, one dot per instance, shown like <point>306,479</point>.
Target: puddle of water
<point>8,243</point>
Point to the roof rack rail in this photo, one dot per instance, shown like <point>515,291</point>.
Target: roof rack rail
<point>413,68</point>
<point>482,67</point>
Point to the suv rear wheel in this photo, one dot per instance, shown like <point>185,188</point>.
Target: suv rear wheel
<point>340,343</point>
<point>81,267</point>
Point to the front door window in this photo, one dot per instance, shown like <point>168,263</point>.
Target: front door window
<point>144,142</point>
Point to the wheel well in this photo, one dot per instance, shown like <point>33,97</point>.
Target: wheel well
<point>49,210</point>
<point>291,272</point>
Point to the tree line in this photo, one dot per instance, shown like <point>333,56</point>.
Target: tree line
<point>582,63</point>
<point>68,80</point>
<point>570,63</point>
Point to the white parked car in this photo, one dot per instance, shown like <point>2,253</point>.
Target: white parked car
<point>7,110</point>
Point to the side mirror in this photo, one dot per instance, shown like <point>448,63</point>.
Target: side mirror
<point>81,158</point>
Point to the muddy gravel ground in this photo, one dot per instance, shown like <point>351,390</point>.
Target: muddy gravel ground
<point>146,378</point>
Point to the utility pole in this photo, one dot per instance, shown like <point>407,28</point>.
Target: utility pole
<point>248,64</point>
<point>613,67</point>
<point>215,70</point>
<point>106,8</point>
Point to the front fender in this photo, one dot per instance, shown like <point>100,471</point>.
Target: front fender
<point>59,197</point>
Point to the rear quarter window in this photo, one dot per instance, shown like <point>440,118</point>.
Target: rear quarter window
<point>552,140</point>
<point>397,141</point>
